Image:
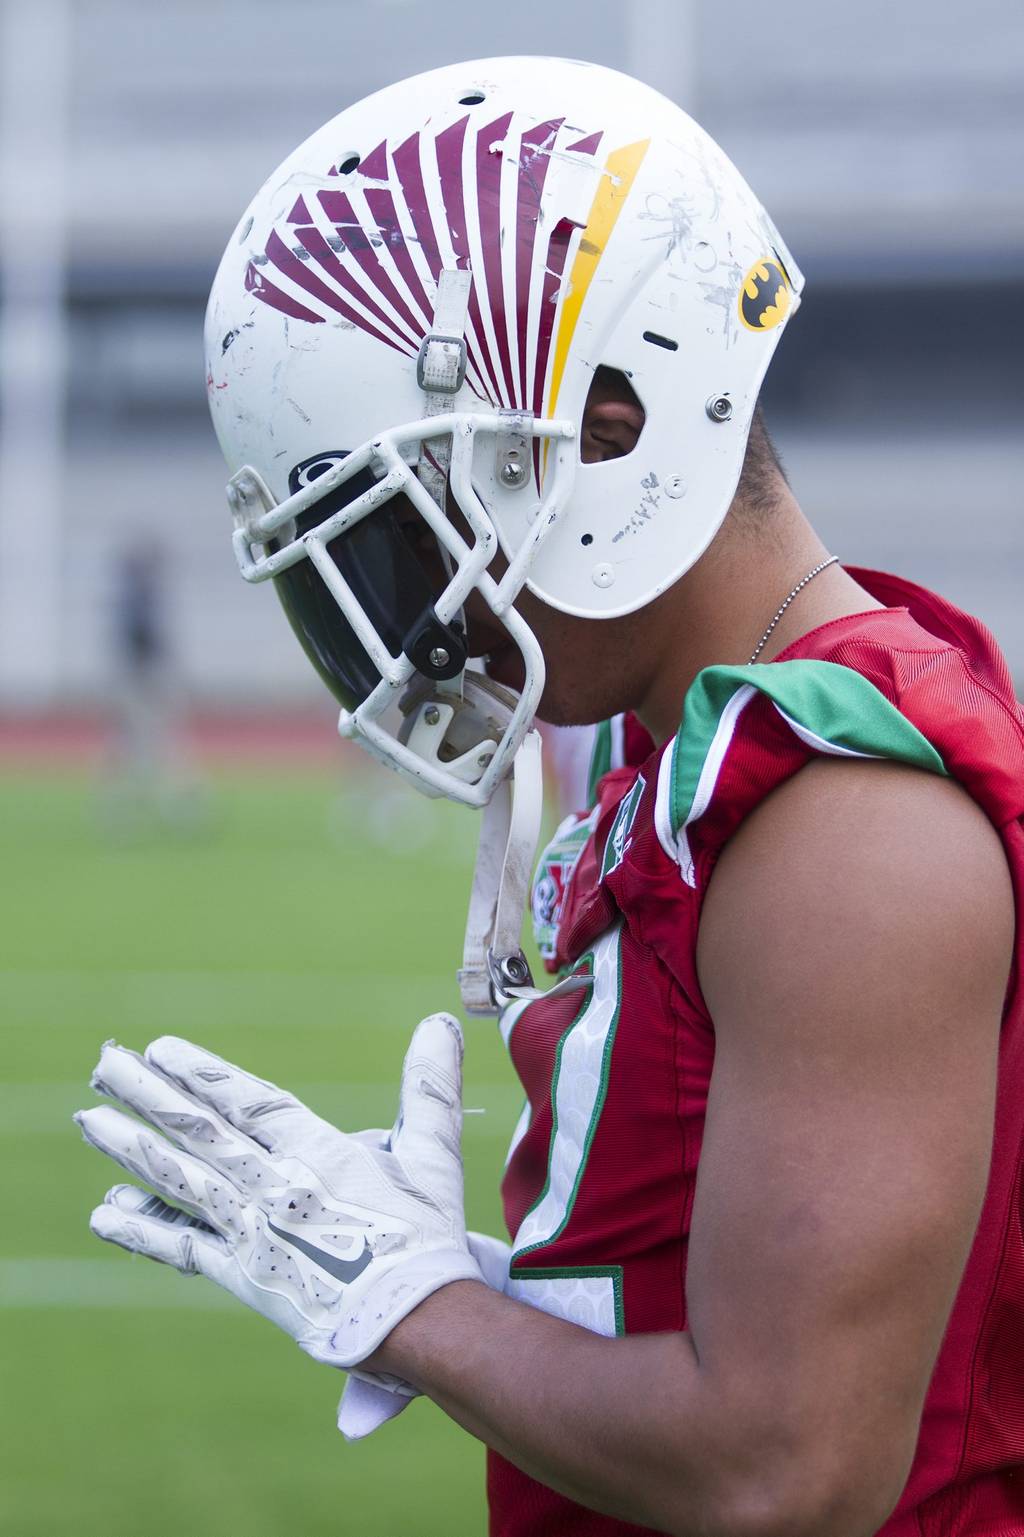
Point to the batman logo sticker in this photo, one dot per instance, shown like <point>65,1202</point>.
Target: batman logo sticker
<point>766,295</point>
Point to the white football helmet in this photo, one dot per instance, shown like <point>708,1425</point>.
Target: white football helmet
<point>406,324</point>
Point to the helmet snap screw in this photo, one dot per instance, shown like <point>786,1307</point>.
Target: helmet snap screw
<point>512,474</point>
<point>675,486</point>
<point>515,970</point>
<point>439,657</point>
<point>719,408</point>
<point>431,715</point>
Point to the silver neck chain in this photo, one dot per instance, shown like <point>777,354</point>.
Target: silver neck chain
<point>798,588</point>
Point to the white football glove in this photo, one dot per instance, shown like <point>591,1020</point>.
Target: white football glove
<point>370,1399</point>
<point>335,1237</point>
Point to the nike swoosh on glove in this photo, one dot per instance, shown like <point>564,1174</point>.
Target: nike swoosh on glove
<point>334,1237</point>
<point>370,1399</point>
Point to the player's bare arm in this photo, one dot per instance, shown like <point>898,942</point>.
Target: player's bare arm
<point>854,952</point>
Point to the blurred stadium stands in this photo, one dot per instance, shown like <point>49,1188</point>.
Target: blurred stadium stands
<point>887,141</point>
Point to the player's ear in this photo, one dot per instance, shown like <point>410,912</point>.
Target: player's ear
<point>613,418</point>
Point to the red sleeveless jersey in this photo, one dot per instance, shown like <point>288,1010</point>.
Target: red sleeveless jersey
<point>600,1180</point>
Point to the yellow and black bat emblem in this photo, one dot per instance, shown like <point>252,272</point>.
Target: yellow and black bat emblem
<point>766,295</point>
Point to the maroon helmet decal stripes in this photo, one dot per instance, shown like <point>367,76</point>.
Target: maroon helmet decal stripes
<point>320,250</point>
<point>587,146</point>
<point>299,213</point>
<point>410,179</point>
<point>534,159</point>
<point>375,164</point>
<point>490,144</point>
<point>294,267</point>
<point>448,147</point>
<point>359,243</point>
<point>382,206</point>
<point>262,288</point>
<point>387,250</point>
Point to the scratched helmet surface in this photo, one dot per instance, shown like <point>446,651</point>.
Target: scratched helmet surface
<point>597,225</point>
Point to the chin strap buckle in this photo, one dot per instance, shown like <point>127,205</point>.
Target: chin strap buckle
<point>441,373</point>
<point>441,367</point>
<point>508,972</point>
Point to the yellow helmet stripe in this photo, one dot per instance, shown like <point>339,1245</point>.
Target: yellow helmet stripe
<point>617,178</point>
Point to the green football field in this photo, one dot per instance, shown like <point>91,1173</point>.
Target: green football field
<point>300,931</point>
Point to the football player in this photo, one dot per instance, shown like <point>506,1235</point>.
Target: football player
<point>484,357</point>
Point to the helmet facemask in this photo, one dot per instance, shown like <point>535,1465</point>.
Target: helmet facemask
<point>386,638</point>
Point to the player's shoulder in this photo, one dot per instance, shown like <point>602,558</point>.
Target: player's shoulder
<point>877,690</point>
<point>868,772</point>
<point>897,870</point>
<point>873,687</point>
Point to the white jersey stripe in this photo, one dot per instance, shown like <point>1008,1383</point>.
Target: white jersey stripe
<point>710,770</point>
<point>663,802</point>
<point>577,1094</point>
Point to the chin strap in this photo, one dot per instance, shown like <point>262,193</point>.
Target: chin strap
<point>441,372</point>
<point>495,972</point>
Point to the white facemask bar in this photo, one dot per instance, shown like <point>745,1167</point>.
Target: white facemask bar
<point>259,518</point>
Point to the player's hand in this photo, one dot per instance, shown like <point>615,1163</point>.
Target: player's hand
<point>371,1399</point>
<point>335,1237</point>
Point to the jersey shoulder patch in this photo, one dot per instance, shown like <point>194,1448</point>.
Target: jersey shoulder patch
<point>554,872</point>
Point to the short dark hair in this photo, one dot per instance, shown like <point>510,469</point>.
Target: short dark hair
<point>762,475</point>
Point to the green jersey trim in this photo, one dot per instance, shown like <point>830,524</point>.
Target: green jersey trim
<point>830,708</point>
<point>554,872</point>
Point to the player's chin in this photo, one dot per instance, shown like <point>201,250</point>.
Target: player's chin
<point>562,705</point>
<point>556,711</point>
<point>505,664</point>
<point>559,706</point>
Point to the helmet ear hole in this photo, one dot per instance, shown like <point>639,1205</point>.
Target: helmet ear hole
<point>613,417</point>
